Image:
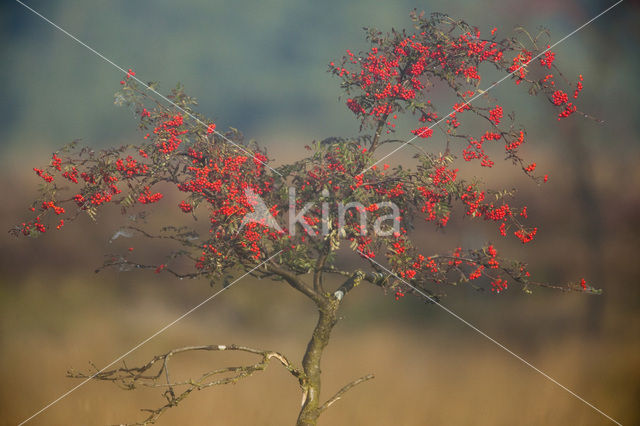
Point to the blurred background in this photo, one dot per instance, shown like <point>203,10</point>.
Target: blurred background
<point>260,66</point>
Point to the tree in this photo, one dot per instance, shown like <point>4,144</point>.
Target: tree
<point>338,195</point>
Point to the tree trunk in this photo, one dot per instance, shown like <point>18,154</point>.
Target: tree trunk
<point>327,319</point>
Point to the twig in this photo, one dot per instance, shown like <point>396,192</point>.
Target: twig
<point>344,390</point>
<point>130,378</point>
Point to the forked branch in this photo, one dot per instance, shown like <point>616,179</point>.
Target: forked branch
<point>155,374</point>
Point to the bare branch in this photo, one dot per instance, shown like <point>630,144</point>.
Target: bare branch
<point>349,284</point>
<point>344,390</point>
<point>294,281</point>
<point>320,263</point>
<point>130,378</point>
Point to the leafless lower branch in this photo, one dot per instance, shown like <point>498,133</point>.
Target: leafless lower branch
<point>155,373</point>
<point>344,390</point>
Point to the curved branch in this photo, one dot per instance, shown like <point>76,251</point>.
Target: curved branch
<point>344,390</point>
<point>295,282</point>
<point>143,376</point>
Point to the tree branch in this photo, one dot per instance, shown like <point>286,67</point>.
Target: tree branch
<point>322,260</point>
<point>344,390</point>
<point>295,282</point>
<point>349,284</point>
<point>134,377</point>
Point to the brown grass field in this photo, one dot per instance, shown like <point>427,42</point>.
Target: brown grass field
<point>430,369</point>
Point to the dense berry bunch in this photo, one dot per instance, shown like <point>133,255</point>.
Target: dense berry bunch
<point>396,74</point>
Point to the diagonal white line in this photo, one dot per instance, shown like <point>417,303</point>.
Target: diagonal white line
<point>482,333</point>
<point>160,95</point>
<point>493,85</point>
<point>163,329</point>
